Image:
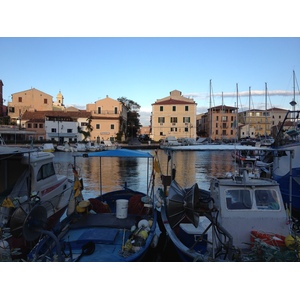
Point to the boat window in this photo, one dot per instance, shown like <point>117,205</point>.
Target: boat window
<point>267,199</point>
<point>46,171</point>
<point>238,199</point>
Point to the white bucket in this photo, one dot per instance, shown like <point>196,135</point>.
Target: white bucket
<point>122,208</point>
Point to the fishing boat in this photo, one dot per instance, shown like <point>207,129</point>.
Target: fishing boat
<point>27,179</point>
<point>239,218</point>
<point>286,158</point>
<point>116,226</point>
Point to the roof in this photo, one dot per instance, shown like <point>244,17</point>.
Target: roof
<point>172,102</point>
<point>40,115</point>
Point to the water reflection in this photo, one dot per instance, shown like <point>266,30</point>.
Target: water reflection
<point>191,167</point>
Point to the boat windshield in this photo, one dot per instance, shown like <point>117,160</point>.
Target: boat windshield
<point>267,199</point>
<point>238,199</point>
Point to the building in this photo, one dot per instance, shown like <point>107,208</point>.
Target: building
<point>56,126</point>
<point>257,122</point>
<point>29,100</point>
<point>220,123</point>
<point>108,119</point>
<point>174,115</point>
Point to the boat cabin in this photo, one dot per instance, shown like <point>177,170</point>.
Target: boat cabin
<point>249,204</point>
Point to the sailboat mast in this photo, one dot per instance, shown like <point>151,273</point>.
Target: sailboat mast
<point>237,112</point>
<point>210,127</point>
<point>266,118</point>
<point>249,112</point>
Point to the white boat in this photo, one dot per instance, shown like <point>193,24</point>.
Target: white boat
<point>91,146</point>
<point>28,179</point>
<point>240,218</point>
<point>170,141</point>
<point>80,147</point>
<point>66,147</point>
<point>108,145</point>
<point>47,147</point>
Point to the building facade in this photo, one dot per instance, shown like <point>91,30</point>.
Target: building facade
<point>29,100</point>
<point>174,115</point>
<point>108,118</point>
<point>220,123</point>
<point>257,123</point>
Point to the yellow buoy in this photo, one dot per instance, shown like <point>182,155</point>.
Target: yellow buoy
<point>292,242</point>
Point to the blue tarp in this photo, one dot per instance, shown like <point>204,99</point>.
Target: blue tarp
<point>117,153</point>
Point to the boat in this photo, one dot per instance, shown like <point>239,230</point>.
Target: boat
<point>239,218</point>
<point>80,147</point>
<point>116,226</point>
<point>286,158</point>
<point>47,147</point>
<point>108,145</point>
<point>27,179</point>
<point>170,141</point>
<point>66,147</point>
<point>91,146</point>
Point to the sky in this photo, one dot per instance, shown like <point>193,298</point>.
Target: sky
<point>144,68</point>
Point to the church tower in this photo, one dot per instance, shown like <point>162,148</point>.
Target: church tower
<point>59,99</point>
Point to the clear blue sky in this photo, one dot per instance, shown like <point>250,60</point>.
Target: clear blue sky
<point>147,68</point>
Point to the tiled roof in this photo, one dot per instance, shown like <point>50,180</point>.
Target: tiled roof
<point>40,115</point>
<point>172,102</point>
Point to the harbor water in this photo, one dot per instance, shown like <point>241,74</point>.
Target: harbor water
<point>191,167</point>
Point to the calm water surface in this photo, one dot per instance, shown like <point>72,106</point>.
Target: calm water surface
<point>191,167</point>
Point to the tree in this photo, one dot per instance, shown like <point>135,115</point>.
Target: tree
<point>133,117</point>
<point>89,128</point>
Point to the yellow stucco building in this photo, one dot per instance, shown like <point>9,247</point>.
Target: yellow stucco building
<point>30,100</point>
<point>108,117</point>
<point>174,115</point>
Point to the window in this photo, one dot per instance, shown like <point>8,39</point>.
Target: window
<point>53,129</point>
<point>41,125</point>
<point>45,101</point>
<point>174,108</point>
<point>161,133</point>
<point>11,109</point>
<point>35,125</point>
<point>238,199</point>
<point>116,110</point>
<point>173,120</point>
<point>186,119</point>
<point>217,118</point>
<point>267,199</point>
<point>29,125</point>
<point>186,129</point>
<point>224,118</point>
<point>99,110</point>
<point>97,126</point>
<point>20,99</point>
<point>83,124</point>
<point>45,171</point>
<point>161,108</point>
<point>112,126</point>
<point>186,108</point>
<point>161,120</point>
<point>173,129</point>
<point>69,130</point>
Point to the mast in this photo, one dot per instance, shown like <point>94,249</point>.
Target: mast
<point>266,117</point>
<point>249,121</point>
<point>210,126</point>
<point>237,112</point>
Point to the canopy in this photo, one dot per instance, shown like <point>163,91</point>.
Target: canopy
<point>117,153</point>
